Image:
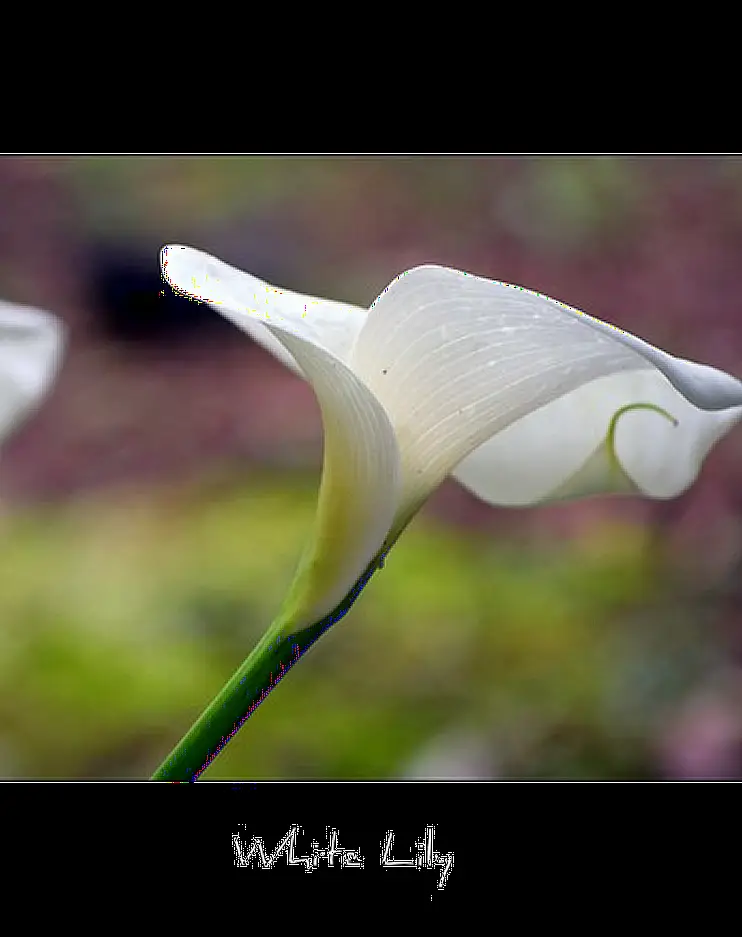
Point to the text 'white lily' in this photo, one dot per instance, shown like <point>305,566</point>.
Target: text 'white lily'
<point>523,398</point>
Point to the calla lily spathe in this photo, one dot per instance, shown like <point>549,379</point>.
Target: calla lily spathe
<point>31,343</point>
<point>522,398</point>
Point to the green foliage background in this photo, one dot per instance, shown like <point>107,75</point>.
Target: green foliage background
<point>124,615</point>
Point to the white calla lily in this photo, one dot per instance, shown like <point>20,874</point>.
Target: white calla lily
<point>31,343</point>
<point>522,398</point>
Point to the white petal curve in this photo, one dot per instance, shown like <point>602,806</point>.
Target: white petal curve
<point>662,459</point>
<point>559,451</point>
<point>360,476</point>
<point>704,386</point>
<point>456,358</point>
<point>359,489</point>
<point>252,304</point>
<point>31,343</point>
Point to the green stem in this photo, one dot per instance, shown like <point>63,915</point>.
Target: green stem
<point>275,653</point>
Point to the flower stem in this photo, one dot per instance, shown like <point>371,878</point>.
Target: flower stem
<point>275,653</point>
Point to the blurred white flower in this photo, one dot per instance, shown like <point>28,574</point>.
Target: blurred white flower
<point>31,343</point>
<point>521,397</point>
<point>455,753</point>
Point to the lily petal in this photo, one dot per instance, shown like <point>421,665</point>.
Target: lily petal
<point>456,359</point>
<point>527,399</point>
<point>30,353</point>
<point>563,450</point>
<point>360,477</point>
<point>253,304</point>
<point>360,484</point>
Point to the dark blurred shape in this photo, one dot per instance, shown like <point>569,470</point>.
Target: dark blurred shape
<point>133,304</point>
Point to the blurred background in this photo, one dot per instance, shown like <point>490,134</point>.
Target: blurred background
<point>153,510</point>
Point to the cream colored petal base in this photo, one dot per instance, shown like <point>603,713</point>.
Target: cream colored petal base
<point>359,489</point>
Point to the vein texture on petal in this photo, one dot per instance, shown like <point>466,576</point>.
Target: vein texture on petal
<point>456,359</point>
<point>359,488</point>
